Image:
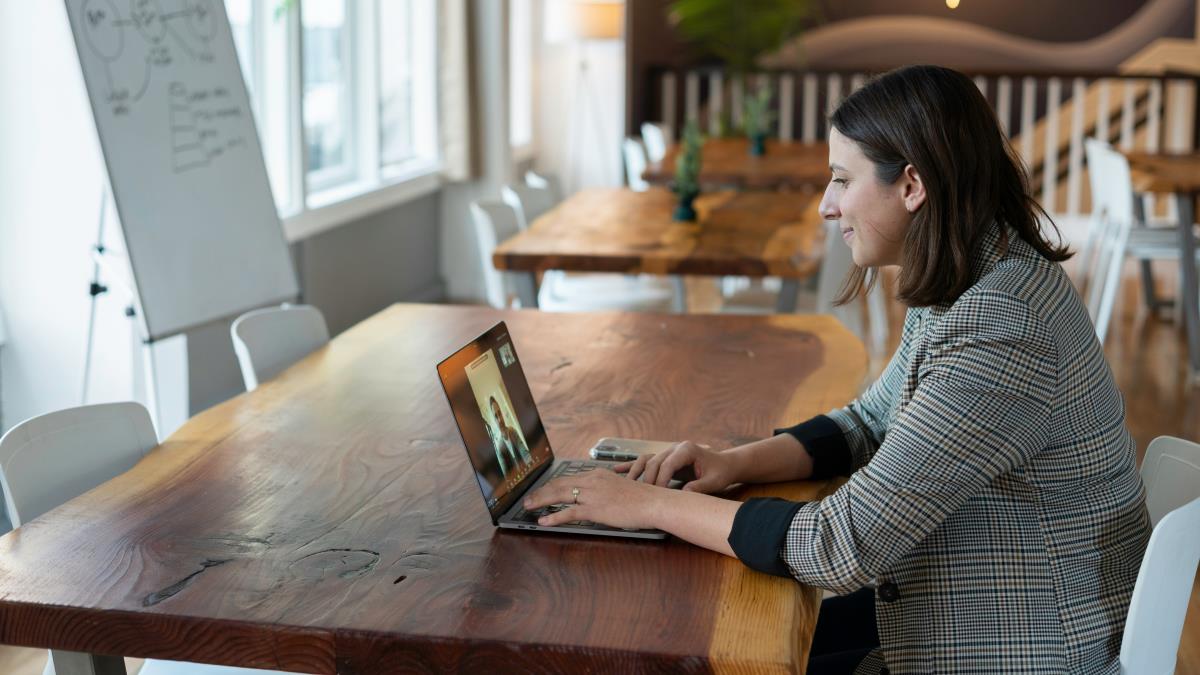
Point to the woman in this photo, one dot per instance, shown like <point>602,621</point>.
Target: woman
<point>510,441</point>
<point>993,499</point>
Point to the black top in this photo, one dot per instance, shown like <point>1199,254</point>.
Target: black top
<point>760,526</point>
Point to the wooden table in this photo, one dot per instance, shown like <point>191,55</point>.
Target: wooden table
<point>751,234</point>
<point>1178,174</point>
<point>329,521</point>
<point>727,162</point>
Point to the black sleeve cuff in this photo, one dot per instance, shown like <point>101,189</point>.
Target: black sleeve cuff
<point>825,443</point>
<point>759,531</point>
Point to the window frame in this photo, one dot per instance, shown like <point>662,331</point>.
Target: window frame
<point>321,200</point>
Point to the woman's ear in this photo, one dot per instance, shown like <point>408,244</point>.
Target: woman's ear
<point>912,189</point>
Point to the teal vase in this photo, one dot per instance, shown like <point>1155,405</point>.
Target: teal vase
<point>685,211</point>
<point>758,145</point>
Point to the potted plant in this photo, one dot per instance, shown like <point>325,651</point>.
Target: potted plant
<point>757,116</point>
<point>739,33</point>
<point>687,173</point>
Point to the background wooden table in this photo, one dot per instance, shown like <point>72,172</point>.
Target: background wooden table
<point>727,162</point>
<point>618,230</point>
<point>1178,174</point>
<point>330,520</point>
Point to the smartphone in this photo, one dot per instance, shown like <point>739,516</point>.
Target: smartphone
<point>625,449</point>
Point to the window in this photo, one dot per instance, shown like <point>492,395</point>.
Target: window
<point>328,79</point>
<point>407,71</point>
<point>260,34</point>
<point>343,92</point>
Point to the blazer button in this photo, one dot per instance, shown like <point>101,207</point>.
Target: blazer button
<point>888,592</point>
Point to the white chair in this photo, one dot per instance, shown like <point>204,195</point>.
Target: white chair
<point>269,340</point>
<point>1112,218</point>
<point>545,181</point>
<point>1157,609</point>
<point>635,164</point>
<point>655,135</point>
<point>1171,474</point>
<point>495,222</point>
<point>48,460</point>
<point>1116,232</point>
<point>529,201</point>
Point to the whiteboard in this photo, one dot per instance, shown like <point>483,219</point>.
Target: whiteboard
<point>184,160</point>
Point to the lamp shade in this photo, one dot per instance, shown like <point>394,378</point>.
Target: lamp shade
<point>596,19</point>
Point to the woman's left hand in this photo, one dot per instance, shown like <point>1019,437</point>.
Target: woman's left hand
<point>600,496</point>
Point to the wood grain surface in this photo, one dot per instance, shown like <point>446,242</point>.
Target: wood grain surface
<point>727,162</point>
<point>1163,172</point>
<point>329,520</point>
<point>619,230</point>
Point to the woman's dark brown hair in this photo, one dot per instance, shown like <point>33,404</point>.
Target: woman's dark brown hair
<point>936,120</point>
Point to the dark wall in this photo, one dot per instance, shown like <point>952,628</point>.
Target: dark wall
<point>650,39</point>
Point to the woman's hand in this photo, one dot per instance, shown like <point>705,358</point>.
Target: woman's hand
<point>600,496</point>
<point>714,470</point>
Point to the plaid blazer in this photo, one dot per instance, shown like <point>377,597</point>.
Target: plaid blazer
<point>995,501</point>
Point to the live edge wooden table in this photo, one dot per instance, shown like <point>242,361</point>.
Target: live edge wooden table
<point>329,520</point>
<point>727,162</point>
<point>752,234</point>
<point>1178,174</point>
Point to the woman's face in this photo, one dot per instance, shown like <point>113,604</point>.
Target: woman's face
<point>496,413</point>
<point>873,217</point>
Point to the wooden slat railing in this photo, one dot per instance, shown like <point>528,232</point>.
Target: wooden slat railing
<point>1046,116</point>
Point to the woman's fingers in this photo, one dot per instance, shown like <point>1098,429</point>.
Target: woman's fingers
<point>571,514</point>
<point>623,467</point>
<point>556,491</point>
<point>639,466</point>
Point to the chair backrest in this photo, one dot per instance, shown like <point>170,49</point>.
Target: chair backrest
<point>269,340</point>
<point>529,202</point>
<point>1160,598</point>
<point>1171,474</point>
<point>494,223</point>
<point>1112,218</point>
<point>635,163</point>
<point>48,460</point>
<point>546,181</point>
<point>655,135</point>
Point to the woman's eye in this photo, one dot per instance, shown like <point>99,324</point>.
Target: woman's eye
<point>840,181</point>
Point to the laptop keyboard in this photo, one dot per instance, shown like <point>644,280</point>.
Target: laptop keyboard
<point>566,468</point>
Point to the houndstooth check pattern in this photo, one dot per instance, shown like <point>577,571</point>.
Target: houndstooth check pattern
<point>995,485</point>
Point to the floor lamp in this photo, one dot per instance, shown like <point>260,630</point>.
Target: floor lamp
<point>590,21</point>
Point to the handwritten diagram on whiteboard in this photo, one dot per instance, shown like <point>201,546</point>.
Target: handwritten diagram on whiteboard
<point>183,158</point>
<point>136,33</point>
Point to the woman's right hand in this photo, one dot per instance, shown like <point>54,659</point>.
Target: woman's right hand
<point>714,470</point>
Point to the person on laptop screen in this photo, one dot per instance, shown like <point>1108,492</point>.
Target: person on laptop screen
<point>993,505</point>
<point>510,447</point>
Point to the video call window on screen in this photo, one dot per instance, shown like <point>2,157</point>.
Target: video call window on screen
<point>495,412</point>
<point>499,418</point>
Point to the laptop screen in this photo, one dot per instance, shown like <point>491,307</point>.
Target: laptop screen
<point>496,416</point>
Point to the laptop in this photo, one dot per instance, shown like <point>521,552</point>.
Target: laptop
<point>506,441</point>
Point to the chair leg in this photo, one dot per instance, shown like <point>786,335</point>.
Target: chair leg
<point>1148,293</point>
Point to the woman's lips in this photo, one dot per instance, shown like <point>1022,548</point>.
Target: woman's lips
<point>847,233</point>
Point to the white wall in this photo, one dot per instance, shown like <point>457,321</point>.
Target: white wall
<point>51,181</point>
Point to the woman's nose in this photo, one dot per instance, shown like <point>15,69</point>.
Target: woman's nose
<point>829,207</point>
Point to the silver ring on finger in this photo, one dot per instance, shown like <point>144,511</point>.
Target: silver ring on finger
<point>575,495</point>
